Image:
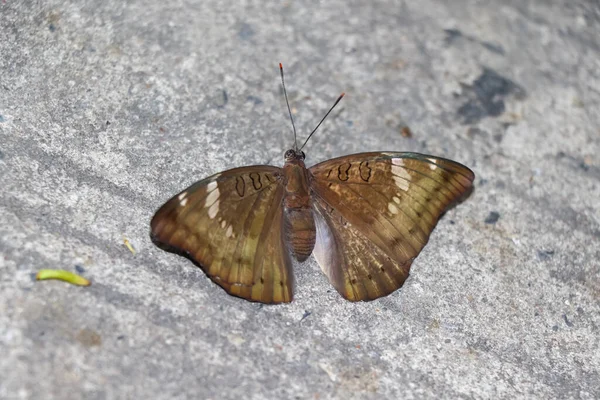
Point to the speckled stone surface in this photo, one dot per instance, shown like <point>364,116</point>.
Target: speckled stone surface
<point>109,108</point>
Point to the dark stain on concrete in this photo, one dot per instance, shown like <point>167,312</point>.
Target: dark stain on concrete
<point>245,31</point>
<point>221,99</point>
<point>569,323</point>
<point>486,95</point>
<point>545,254</point>
<point>451,36</point>
<point>256,100</point>
<point>492,218</point>
<point>454,35</point>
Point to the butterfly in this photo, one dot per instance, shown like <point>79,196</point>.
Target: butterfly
<point>365,217</point>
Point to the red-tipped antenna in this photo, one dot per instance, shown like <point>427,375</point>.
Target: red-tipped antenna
<point>331,109</point>
<point>288,106</point>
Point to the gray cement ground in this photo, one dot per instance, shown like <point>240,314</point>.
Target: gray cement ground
<point>109,108</point>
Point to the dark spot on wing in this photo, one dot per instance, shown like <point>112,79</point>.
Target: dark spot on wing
<point>255,177</point>
<point>270,178</point>
<point>240,185</point>
<point>396,241</point>
<point>343,172</point>
<point>365,171</point>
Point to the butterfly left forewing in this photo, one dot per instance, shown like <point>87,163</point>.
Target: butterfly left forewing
<point>374,213</point>
<point>231,225</point>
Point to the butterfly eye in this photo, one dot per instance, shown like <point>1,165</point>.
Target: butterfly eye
<point>303,155</point>
<point>290,154</point>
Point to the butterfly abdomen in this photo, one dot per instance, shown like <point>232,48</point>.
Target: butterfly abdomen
<point>299,226</point>
<point>300,232</point>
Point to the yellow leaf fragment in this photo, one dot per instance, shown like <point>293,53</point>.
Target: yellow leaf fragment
<point>128,245</point>
<point>62,275</point>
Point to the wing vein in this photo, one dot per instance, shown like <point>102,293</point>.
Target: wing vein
<point>376,219</point>
<point>243,235</point>
<point>403,212</point>
<point>276,198</point>
<point>381,214</point>
<point>406,193</point>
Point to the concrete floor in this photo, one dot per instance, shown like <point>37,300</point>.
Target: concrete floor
<point>109,108</point>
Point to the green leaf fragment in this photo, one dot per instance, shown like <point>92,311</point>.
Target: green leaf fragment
<point>62,275</point>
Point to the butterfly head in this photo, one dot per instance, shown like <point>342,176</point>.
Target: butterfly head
<point>294,155</point>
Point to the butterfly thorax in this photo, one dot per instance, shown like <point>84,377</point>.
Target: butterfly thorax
<point>299,222</point>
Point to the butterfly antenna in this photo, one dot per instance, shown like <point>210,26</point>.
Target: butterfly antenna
<point>331,109</point>
<point>288,106</point>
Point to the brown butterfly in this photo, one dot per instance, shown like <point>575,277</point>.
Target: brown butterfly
<point>364,216</point>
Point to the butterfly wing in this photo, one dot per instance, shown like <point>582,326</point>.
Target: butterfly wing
<point>374,213</point>
<point>230,224</point>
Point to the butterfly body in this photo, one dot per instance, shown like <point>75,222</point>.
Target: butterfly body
<point>299,225</point>
<point>365,217</point>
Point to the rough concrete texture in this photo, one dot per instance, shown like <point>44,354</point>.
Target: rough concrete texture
<point>109,108</point>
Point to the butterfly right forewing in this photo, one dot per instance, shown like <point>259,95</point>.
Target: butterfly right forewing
<point>231,225</point>
<point>374,213</point>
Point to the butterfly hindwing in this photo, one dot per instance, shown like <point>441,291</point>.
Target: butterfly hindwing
<point>231,224</point>
<point>374,213</point>
<point>355,266</point>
